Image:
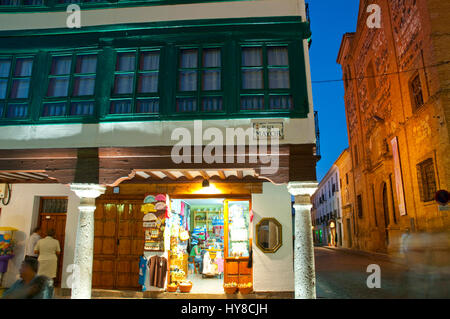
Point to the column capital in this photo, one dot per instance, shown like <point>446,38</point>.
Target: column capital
<point>88,190</point>
<point>302,188</point>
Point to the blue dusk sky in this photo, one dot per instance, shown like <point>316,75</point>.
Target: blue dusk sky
<point>330,19</point>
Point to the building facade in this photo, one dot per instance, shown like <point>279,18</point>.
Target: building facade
<point>326,212</point>
<point>344,164</point>
<point>137,101</point>
<point>396,81</point>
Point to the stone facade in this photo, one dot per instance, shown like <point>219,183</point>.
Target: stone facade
<point>397,80</point>
<point>344,164</point>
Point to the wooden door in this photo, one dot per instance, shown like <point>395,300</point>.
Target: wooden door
<point>52,215</point>
<point>118,244</point>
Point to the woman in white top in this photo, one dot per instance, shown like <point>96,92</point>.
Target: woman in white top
<point>48,250</point>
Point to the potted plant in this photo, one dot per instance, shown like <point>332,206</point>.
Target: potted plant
<point>230,288</point>
<point>246,288</point>
<point>172,287</point>
<point>185,286</point>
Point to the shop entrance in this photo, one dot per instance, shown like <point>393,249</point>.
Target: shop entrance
<point>218,250</point>
<point>205,239</point>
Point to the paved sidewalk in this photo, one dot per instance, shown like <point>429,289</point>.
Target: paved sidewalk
<point>369,254</point>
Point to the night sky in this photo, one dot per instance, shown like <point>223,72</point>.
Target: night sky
<point>330,19</point>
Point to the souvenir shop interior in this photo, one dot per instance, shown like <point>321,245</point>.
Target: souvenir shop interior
<point>192,237</point>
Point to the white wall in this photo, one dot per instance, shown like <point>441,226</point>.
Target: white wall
<point>273,272</point>
<point>145,14</point>
<point>117,134</point>
<point>22,213</point>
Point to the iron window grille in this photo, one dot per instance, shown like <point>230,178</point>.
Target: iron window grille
<point>426,180</point>
<point>416,92</point>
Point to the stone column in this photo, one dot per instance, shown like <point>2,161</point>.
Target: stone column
<point>84,245</point>
<point>304,272</point>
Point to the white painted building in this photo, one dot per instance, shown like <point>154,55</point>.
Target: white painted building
<point>327,210</point>
<point>83,111</point>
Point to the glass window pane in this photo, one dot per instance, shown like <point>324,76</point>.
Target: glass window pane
<point>212,58</point>
<point>148,83</point>
<point>61,65</point>
<point>188,81</point>
<point>277,56</point>
<point>123,84</point>
<point>255,102</point>
<point>84,85</point>
<point>86,63</point>
<point>20,88</point>
<point>32,2</point>
<point>3,87</point>
<point>120,107</point>
<point>188,59</point>
<point>2,107</point>
<point>23,67</point>
<point>252,57</point>
<point>147,106</point>
<point>212,104</point>
<point>54,109</point>
<point>277,102</point>
<point>186,104</point>
<point>149,61</point>
<point>279,79</point>
<point>252,79</point>
<point>211,80</point>
<point>58,87</point>
<point>126,61</point>
<point>82,108</point>
<point>17,110</point>
<point>10,2</point>
<point>5,66</point>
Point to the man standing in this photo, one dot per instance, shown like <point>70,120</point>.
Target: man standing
<point>31,243</point>
<point>48,249</point>
<point>29,286</point>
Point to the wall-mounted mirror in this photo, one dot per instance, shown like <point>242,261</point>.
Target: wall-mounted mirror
<point>268,235</point>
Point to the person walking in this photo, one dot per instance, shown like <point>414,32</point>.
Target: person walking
<point>31,243</point>
<point>48,250</point>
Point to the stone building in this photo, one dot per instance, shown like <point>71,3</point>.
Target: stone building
<point>345,173</point>
<point>397,101</point>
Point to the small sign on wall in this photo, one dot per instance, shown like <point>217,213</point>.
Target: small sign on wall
<point>268,129</point>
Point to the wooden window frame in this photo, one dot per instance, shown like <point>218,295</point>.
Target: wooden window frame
<point>135,96</point>
<point>70,97</point>
<point>8,100</point>
<point>200,94</point>
<point>266,92</point>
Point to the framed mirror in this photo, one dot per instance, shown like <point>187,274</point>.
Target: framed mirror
<point>269,235</point>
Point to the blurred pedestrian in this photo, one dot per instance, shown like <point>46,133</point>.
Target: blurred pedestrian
<point>30,286</point>
<point>48,249</point>
<point>31,243</point>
